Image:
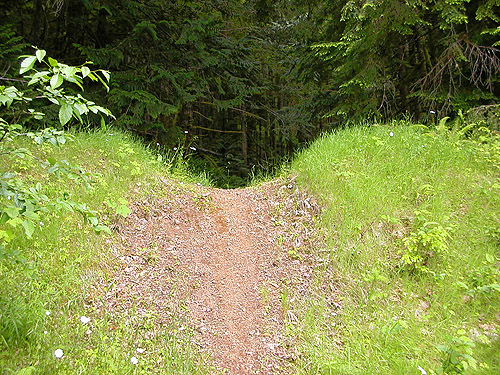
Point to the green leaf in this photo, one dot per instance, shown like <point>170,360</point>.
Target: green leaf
<point>53,62</point>
<point>103,124</point>
<point>56,81</point>
<point>85,71</point>
<point>12,211</point>
<point>103,83</point>
<point>65,113</point>
<point>31,215</point>
<point>123,210</point>
<point>490,258</point>
<point>27,64</point>
<point>40,54</point>
<point>105,73</point>
<point>29,228</point>
<point>102,228</point>
<point>14,222</point>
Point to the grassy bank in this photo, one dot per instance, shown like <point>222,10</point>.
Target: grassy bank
<point>410,283</point>
<point>66,269</point>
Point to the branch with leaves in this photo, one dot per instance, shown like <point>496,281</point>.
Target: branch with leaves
<point>22,205</point>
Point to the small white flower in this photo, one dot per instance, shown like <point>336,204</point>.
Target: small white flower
<point>45,332</point>
<point>84,319</point>
<point>157,143</point>
<point>175,148</point>
<point>185,132</point>
<point>47,312</point>
<point>58,353</point>
<point>140,350</point>
<point>391,134</point>
<point>422,371</point>
<point>134,360</point>
<point>432,112</point>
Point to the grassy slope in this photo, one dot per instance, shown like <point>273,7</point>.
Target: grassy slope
<point>66,258</point>
<point>393,316</point>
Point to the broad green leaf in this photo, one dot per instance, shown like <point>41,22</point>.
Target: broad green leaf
<point>69,71</point>
<point>61,140</point>
<point>6,235</point>
<point>40,54</point>
<point>56,81</point>
<point>490,258</point>
<point>85,71</point>
<point>53,62</point>
<point>102,228</point>
<point>105,73</point>
<point>29,228</point>
<point>65,113</point>
<point>81,108</point>
<point>12,211</point>
<point>123,210</point>
<point>27,64</point>
<point>103,124</point>
<point>14,222</point>
<point>31,215</point>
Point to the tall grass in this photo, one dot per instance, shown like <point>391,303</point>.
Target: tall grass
<point>393,307</point>
<point>43,299</point>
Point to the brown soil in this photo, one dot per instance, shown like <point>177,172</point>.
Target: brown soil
<point>221,259</point>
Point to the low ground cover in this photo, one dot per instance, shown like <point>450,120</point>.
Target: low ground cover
<point>412,265</point>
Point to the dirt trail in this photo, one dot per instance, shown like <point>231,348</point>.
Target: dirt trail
<point>225,255</point>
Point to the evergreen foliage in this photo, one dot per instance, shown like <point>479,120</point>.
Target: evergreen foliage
<point>246,83</point>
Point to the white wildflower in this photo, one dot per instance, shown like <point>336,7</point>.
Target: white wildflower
<point>140,350</point>
<point>391,134</point>
<point>432,112</point>
<point>47,312</point>
<point>422,371</point>
<point>84,319</point>
<point>185,132</point>
<point>134,360</point>
<point>45,332</point>
<point>58,353</point>
<point>175,148</point>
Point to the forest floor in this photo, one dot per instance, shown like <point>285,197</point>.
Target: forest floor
<point>222,265</point>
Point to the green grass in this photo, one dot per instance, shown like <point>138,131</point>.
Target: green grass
<point>381,312</point>
<point>411,265</point>
<point>42,300</point>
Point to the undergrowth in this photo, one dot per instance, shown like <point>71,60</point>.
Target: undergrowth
<point>44,300</point>
<point>413,217</point>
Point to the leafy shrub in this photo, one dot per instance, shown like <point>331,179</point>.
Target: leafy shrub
<point>23,204</point>
<point>428,240</point>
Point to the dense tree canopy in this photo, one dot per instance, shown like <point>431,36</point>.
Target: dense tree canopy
<point>244,83</point>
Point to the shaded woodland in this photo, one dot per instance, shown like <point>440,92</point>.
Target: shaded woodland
<point>238,85</point>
